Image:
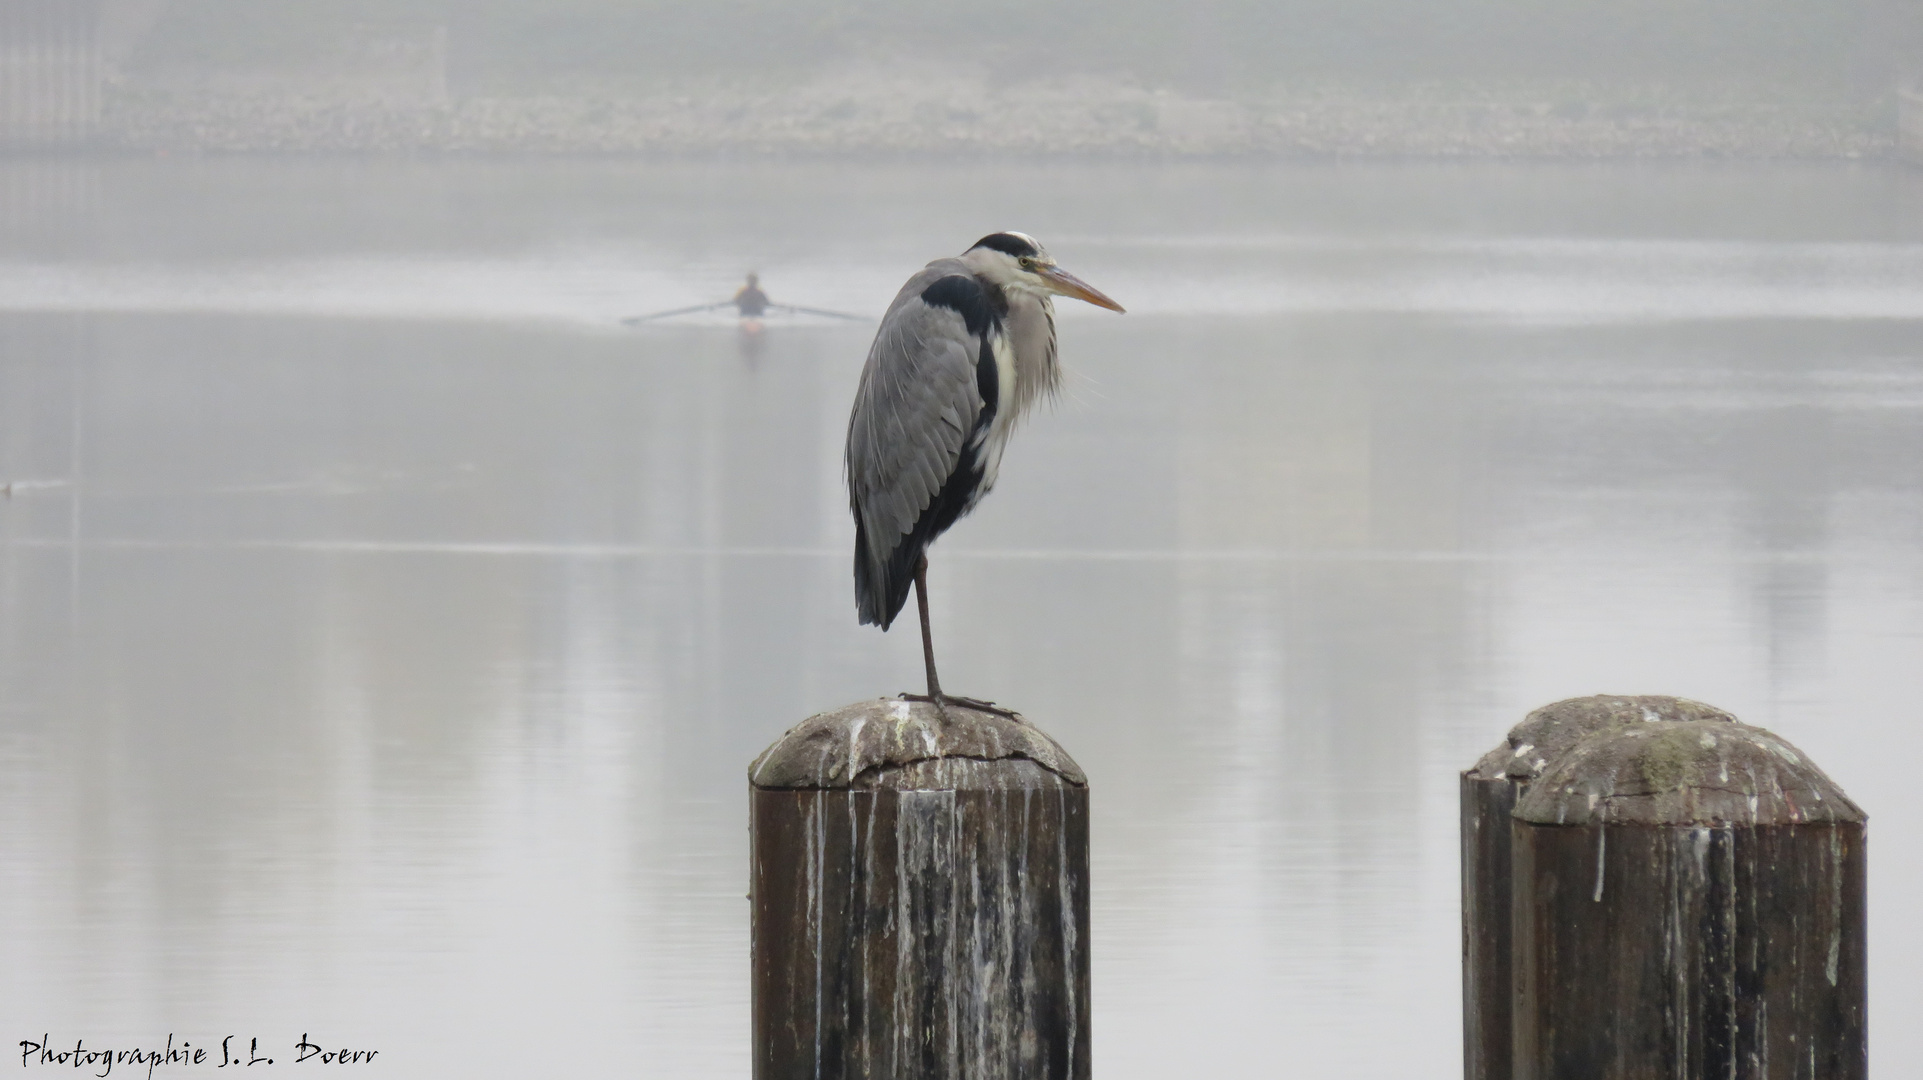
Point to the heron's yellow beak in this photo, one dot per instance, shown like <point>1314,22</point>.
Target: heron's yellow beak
<point>1067,284</point>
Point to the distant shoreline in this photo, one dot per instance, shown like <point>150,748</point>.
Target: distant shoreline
<point>1099,120</point>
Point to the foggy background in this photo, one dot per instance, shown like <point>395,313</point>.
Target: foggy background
<point>385,628</point>
<point>1205,46</point>
<point>1533,77</point>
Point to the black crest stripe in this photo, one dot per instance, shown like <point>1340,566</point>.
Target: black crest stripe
<point>1008,244</point>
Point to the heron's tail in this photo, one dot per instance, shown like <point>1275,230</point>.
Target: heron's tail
<point>882,584</point>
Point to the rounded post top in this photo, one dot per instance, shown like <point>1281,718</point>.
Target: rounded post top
<point>1547,733</point>
<point>1690,772</point>
<point>899,744</point>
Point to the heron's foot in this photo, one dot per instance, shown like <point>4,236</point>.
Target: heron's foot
<point>985,706</point>
<point>939,701</point>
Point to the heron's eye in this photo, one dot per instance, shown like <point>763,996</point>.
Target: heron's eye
<point>1027,263</point>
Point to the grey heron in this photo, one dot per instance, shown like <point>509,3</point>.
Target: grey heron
<point>967,347</point>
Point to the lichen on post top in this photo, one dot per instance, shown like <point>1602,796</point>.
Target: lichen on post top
<point>1550,731</point>
<point>1686,773</point>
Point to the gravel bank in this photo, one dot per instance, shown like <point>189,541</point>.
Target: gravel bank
<point>968,117</point>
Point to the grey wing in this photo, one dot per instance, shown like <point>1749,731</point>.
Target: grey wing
<point>916,406</point>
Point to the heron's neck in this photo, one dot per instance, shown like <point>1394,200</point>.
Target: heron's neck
<point>1030,326</point>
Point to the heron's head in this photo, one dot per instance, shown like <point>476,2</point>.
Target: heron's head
<point>1015,260</point>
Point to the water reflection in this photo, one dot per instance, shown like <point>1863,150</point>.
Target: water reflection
<point>393,678</point>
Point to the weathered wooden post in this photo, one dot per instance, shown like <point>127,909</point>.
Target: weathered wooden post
<point>1488,795</point>
<point>920,898</point>
<point>1689,902</point>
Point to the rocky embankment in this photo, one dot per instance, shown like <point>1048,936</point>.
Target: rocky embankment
<point>963,116</point>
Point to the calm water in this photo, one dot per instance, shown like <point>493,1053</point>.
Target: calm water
<point>384,631</point>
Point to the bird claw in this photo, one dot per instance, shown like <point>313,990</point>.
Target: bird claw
<point>988,707</point>
<point>941,701</point>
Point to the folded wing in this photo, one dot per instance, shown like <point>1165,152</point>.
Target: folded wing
<point>917,422</point>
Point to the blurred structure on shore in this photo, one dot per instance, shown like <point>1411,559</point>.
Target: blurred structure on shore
<point>50,71</point>
<point>1909,122</point>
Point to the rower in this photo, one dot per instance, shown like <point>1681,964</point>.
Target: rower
<point>751,302</point>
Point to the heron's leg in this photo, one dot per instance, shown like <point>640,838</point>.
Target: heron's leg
<point>927,640</point>
<point>935,696</point>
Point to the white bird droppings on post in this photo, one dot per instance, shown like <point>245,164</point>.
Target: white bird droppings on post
<point>1602,845</point>
<point>937,926</point>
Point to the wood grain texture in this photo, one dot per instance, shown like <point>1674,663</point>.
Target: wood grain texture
<point>1486,990</point>
<point>1694,951</point>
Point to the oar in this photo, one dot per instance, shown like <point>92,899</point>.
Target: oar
<point>793,310</point>
<point>630,321</point>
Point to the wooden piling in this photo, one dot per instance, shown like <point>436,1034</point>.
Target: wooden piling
<point>1689,901</point>
<point>1489,791</point>
<point>920,898</point>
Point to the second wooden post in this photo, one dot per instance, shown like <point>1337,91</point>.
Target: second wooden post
<point>1489,791</point>
<point>1689,901</point>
